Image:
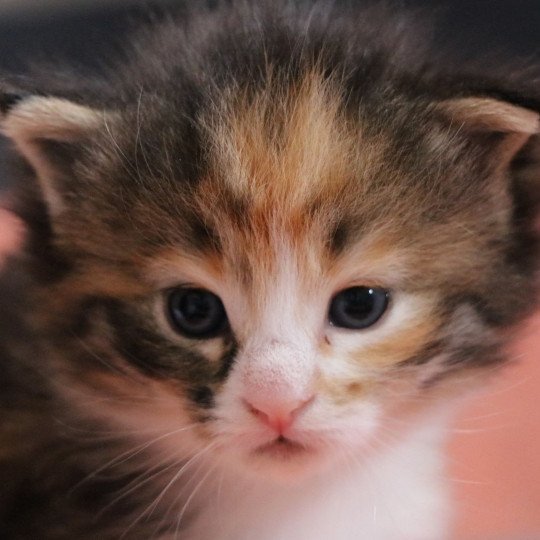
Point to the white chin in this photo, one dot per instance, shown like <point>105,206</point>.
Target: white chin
<point>283,461</point>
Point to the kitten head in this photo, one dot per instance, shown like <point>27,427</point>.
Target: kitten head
<point>267,259</point>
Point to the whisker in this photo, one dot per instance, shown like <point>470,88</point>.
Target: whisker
<point>140,481</point>
<point>130,454</point>
<point>178,496</point>
<point>189,499</point>
<point>150,508</point>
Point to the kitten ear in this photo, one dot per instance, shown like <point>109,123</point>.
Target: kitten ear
<point>485,115</point>
<point>513,133</point>
<point>47,131</point>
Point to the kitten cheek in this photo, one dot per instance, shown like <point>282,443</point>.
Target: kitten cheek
<point>343,392</point>
<point>133,405</point>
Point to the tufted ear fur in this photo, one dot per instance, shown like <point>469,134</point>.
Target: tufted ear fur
<point>514,124</point>
<point>488,114</point>
<point>48,131</point>
<point>513,134</point>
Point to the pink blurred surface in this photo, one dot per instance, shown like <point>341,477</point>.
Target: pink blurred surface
<point>11,233</point>
<point>494,451</point>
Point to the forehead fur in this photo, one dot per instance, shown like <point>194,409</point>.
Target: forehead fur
<point>286,146</point>
<point>293,167</point>
<point>290,142</point>
<point>279,164</point>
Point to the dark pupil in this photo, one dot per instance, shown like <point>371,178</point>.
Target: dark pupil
<point>358,307</point>
<point>195,307</point>
<point>358,302</point>
<point>196,312</point>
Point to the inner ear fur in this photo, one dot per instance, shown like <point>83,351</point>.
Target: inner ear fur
<point>516,149</point>
<point>37,124</point>
<point>485,115</point>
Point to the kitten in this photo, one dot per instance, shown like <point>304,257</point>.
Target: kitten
<point>267,253</point>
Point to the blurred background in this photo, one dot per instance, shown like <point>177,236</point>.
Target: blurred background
<point>494,450</point>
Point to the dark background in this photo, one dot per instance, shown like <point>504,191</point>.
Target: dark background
<point>84,32</point>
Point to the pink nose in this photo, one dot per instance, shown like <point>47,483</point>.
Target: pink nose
<point>277,416</point>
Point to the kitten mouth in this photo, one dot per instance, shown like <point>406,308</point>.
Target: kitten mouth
<point>281,448</point>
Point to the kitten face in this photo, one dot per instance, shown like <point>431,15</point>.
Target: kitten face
<point>283,276</point>
<point>286,217</point>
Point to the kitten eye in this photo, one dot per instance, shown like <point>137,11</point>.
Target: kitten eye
<point>196,313</point>
<point>358,307</point>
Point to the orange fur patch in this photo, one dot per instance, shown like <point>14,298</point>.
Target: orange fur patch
<point>284,146</point>
<point>400,346</point>
<point>340,391</point>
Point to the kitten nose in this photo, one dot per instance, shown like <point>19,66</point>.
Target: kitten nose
<point>278,416</point>
<point>278,382</point>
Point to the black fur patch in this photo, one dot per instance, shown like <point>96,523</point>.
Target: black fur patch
<point>151,353</point>
<point>202,396</point>
<point>339,237</point>
<point>8,100</point>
